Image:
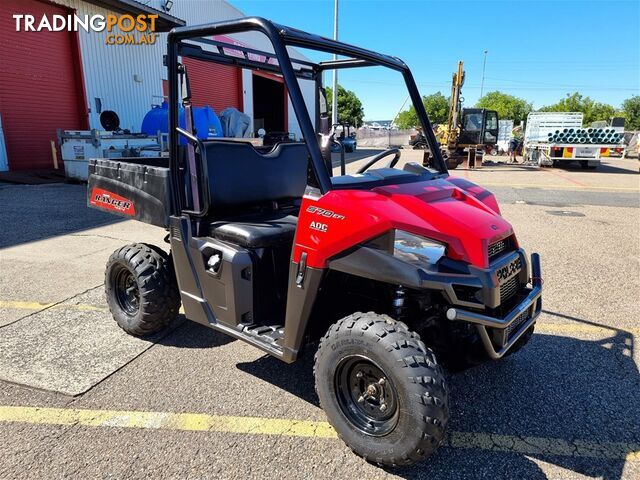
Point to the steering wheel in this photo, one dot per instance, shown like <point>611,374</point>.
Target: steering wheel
<point>380,156</point>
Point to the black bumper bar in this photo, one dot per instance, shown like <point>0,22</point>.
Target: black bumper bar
<point>511,327</point>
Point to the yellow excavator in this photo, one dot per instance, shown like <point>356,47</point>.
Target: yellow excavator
<point>467,129</point>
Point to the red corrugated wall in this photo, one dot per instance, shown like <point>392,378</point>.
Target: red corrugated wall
<point>40,85</point>
<point>218,86</point>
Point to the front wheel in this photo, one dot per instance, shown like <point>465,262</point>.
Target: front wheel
<point>381,389</point>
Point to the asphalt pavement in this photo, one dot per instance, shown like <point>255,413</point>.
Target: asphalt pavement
<point>79,398</point>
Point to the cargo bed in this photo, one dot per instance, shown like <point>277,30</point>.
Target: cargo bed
<point>136,188</point>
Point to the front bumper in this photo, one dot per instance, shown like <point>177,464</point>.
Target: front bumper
<point>506,331</point>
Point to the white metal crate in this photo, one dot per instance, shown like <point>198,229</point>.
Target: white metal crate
<point>505,127</point>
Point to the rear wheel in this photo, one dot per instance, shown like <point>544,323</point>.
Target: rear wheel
<point>381,389</point>
<point>141,289</point>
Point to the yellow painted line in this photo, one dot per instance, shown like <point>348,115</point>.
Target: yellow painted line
<point>545,446</point>
<point>576,328</point>
<point>556,187</point>
<point>18,305</point>
<point>24,305</point>
<point>541,327</point>
<point>194,422</point>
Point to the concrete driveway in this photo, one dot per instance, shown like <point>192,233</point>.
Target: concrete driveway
<point>79,398</point>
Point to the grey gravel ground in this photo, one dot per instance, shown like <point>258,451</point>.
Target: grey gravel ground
<point>574,382</point>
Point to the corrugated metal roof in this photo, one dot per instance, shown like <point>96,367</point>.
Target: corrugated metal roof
<point>164,23</point>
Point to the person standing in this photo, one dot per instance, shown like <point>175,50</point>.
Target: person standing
<point>513,150</point>
<point>515,144</point>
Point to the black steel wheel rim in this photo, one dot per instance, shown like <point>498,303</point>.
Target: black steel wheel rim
<point>126,291</point>
<point>366,395</point>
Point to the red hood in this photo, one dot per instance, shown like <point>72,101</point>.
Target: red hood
<point>454,211</point>
<point>467,220</point>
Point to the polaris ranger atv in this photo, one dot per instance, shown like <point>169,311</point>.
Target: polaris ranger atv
<point>380,271</point>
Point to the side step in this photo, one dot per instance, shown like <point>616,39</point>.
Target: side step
<point>269,334</point>
<point>268,338</point>
<point>265,338</point>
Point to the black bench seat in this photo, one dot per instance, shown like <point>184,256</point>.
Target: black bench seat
<point>256,230</point>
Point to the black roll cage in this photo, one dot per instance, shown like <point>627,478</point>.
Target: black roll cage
<point>180,43</point>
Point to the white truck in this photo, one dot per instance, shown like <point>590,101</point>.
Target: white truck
<point>541,148</point>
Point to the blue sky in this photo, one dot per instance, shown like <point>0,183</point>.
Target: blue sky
<point>536,50</point>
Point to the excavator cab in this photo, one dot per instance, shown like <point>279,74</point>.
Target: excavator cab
<point>479,126</point>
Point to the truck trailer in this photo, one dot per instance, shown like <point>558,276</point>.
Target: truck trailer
<point>556,138</point>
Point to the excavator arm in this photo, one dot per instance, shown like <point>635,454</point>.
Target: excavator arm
<point>453,124</point>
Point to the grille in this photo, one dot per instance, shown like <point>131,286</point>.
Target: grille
<point>509,288</point>
<point>498,248</point>
<point>517,323</point>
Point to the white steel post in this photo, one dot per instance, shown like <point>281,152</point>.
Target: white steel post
<point>484,65</point>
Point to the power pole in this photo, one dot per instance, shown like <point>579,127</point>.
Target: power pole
<point>484,65</point>
<point>334,100</point>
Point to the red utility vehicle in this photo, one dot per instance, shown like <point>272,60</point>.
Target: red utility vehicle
<point>379,271</point>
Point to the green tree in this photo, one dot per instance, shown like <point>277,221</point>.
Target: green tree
<point>349,106</point>
<point>573,102</point>
<point>600,111</point>
<point>576,102</point>
<point>507,106</point>
<point>631,110</point>
<point>436,105</point>
<point>407,118</point>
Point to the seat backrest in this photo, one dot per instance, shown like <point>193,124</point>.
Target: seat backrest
<point>239,175</point>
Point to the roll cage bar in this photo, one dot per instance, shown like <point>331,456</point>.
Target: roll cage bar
<point>180,42</point>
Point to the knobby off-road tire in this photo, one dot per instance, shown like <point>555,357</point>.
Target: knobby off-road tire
<point>353,355</point>
<point>141,289</point>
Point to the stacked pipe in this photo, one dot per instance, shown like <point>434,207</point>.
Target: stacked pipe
<point>585,135</point>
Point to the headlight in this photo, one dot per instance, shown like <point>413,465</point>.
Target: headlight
<point>417,250</point>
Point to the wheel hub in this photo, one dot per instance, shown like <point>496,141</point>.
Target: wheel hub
<point>127,292</point>
<point>365,395</point>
